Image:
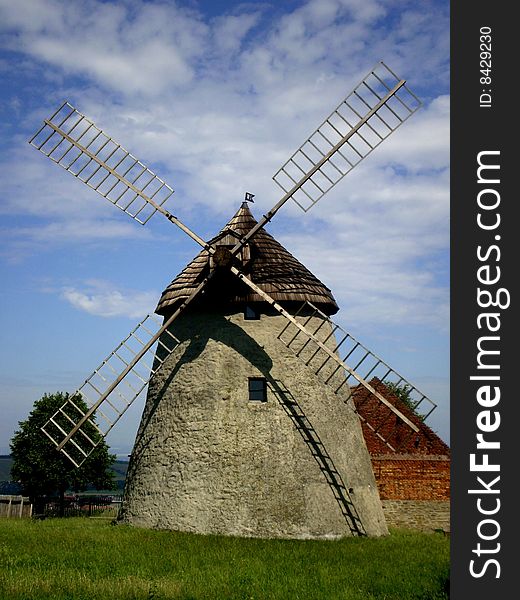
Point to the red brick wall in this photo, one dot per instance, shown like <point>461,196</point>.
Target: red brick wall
<point>419,470</point>
<point>390,427</point>
<point>412,477</point>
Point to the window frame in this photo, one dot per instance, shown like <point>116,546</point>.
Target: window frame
<point>261,392</point>
<point>251,313</point>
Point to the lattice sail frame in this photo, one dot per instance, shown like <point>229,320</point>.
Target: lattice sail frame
<point>375,108</point>
<point>75,143</point>
<point>110,390</point>
<point>338,359</point>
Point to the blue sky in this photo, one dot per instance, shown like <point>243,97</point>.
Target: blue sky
<point>214,97</point>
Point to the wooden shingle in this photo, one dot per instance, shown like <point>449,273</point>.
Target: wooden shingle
<point>264,260</point>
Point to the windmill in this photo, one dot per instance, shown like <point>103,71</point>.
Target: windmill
<point>205,459</point>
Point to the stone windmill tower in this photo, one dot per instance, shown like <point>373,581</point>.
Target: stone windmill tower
<point>249,427</point>
<point>238,436</point>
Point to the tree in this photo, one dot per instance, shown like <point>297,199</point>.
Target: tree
<point>42,470</point>
<point>403,392</point>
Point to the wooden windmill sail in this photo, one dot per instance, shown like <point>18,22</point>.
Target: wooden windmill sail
<point>167,356</point>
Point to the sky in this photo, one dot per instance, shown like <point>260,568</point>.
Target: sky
<point>214,97</point>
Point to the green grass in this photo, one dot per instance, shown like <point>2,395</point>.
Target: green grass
<point>86,559</point>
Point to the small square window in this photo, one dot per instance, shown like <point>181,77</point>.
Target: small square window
<point>257,389</point>
<point>250,313</point>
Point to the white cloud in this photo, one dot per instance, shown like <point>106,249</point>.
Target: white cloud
<point>134,47</point>
<point>60,232</point>
<point>377,279</point>
<point>230,31</point>
<point>100,298</point>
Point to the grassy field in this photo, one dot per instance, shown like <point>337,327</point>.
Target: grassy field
<point>86,559</point>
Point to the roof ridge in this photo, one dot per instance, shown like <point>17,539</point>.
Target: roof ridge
<point>242,216</point>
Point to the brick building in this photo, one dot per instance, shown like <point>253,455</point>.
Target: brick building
<point>413,480</point>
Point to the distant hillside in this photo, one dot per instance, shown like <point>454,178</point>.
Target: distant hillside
<point>5,467</point>
<point>119,468</point>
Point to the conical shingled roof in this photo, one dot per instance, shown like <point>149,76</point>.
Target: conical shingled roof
<point>266,262</point>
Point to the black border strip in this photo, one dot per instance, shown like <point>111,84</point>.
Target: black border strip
<point>481,123</point>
